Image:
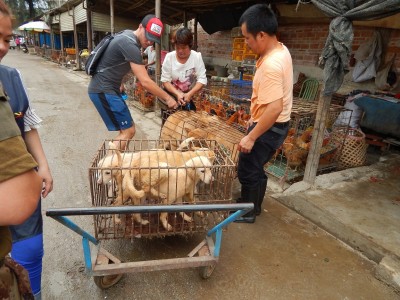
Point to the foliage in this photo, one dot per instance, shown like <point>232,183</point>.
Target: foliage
<point>26,10</point>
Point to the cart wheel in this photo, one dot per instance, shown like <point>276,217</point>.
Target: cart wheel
<point>104,282</point>
<point>205,272</point>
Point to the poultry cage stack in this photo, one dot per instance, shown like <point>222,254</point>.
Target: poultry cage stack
<point>142,99</point>
<point>230,102</point>
<point>172,164</point>
<point>129,83</point>
<point>202,125</point>
<point>218,88</point>
<point>288,163</point>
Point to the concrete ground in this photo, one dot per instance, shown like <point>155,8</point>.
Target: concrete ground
<point>282,256</point>
<point>361,207</point>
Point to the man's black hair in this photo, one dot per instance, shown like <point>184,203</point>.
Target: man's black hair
<point>259,17</point>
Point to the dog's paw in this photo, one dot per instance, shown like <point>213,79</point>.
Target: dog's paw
<point>167,226</point>
<point>144,222</point>
<point>200,214</point>
<point>187,218</point>
<point>117,220</point>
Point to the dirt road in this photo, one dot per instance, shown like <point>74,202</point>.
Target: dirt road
<point>281,256</point>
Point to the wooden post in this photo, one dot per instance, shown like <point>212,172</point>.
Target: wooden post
<point>61,43</point>
<point>310,172</point>
<point>112,16</point>
<point>195,39</point>
<point>89,31</point>
<point>77,57</point>
<point>185,21</point>
<point>158,46</point>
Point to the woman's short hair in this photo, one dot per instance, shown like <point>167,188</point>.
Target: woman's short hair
<point>183,36</point>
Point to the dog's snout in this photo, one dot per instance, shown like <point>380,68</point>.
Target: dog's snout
<point>99,177</point>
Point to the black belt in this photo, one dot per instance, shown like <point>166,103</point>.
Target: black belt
<point>278,127</point>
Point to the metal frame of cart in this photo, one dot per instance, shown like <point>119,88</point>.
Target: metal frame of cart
<point>108,269</point>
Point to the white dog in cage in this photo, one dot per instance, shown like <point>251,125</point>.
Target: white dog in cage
<point>170,184</point>
<point>120,171</point>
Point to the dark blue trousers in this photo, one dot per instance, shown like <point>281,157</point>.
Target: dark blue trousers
<point>251,165</point>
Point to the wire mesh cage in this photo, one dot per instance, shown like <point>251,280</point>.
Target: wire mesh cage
<point>241,89</point>
<point>218,88</point>
<point>129,83</point>
<point>201,125</point>
<point>139,96</point>
<point>227,89</point>
<point>235,111</point>
<point>288,163</point>
<point>144,174</point>
<point>219,98</point>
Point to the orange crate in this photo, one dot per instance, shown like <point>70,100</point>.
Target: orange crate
<point>248,77</point>
<point>247,50</point>
<point>237,54</point>
<point>70,51</point>
<point>239,46</point>
<point>249,56</point>
<point>239,40</point>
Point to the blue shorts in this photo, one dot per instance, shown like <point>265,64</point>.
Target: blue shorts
<point>113,110</point>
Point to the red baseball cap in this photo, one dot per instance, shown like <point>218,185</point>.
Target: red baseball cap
<point>153,28</point>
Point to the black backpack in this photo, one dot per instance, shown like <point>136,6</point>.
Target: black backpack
<point>95,56</point>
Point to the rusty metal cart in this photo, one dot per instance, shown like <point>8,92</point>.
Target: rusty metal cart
<point>210,211</point>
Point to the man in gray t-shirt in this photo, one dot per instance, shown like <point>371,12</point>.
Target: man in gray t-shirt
<point>115,62</point>
<point>122,55</point>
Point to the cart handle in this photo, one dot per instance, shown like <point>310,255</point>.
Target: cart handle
<point>52,212</point>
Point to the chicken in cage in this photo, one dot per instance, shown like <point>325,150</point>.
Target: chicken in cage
<point>289,161</point>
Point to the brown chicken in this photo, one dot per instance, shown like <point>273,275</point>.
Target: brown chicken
<point>205,106</point>
<point>294,153</point>
<point>218,109</point>
<point>243,117</point>
<point>233,118</point>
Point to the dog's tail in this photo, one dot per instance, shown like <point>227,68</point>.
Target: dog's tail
<point>185,144</point>
<point>128,187</point>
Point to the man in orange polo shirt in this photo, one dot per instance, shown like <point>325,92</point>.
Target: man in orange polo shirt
<point>271,104</point>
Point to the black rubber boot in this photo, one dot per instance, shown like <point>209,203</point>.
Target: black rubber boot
<point>249,195</point>
<point>263,188</point>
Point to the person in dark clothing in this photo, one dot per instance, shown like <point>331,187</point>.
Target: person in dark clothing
<point>271,104</point>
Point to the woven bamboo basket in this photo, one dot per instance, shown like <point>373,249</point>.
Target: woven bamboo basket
<point>354,149</point>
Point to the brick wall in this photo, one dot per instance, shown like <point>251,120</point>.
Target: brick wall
<point>218,45</point>
<point>305,42</point>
